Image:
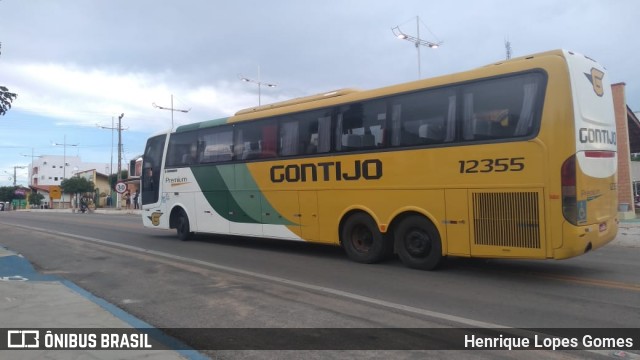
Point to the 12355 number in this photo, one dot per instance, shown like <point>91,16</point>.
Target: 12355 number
<point>491,165</point>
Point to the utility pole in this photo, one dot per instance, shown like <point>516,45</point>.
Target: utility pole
<point>171,108</point>
<point>14,173</point>
<point>31,167</point>
<point>119,177</point>
<point>119,128</point>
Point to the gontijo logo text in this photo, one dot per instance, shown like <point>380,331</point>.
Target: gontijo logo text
<point>597,136</point>
<point>370,169</point>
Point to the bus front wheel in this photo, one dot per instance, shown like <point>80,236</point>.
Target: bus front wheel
<point>182,226</point>
<point>417,243</point>
<point>362,240</point>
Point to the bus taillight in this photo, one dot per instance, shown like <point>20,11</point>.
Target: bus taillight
<point>569,200</point>
<point>600,154</point>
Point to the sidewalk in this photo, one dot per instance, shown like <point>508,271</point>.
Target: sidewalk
<point>628,233</point>
<point>31,300</point>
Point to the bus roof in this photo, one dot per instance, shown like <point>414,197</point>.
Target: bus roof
<point>300,100</point>
<point>350,94</point>
<point>202,124</point>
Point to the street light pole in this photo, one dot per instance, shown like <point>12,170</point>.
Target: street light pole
<point>259,83</point>
<point>64,145</point>
<point>64,160</point>
<point>416,40</point>
<point>31,166</point>
<point>170,108</point>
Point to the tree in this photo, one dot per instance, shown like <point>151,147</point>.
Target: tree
<point>113,178</point>
<point>76,185</point>
<point>6,97</point>
<point>35,199</point>
<point>7,193</point>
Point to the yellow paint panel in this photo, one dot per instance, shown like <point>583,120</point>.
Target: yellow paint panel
<point>457,222</point>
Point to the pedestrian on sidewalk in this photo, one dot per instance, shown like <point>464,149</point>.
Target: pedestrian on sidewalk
<point>135,200</point>
<point>127,199</point>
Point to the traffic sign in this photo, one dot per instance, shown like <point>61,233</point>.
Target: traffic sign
<point>121,187</point>
<point>55,193</point>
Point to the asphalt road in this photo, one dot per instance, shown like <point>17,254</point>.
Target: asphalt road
<point>217,281</point>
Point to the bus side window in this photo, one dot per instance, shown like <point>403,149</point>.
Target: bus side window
<point>255,141</point>
<point>423,118</point>
<point>306,133</point>
<point>311,140</point>
<point>183,149</point>
<point>290,138</point>
<point>361,126</point>
<point>217,145</point>
<point>324,134</point>
<point>191,156</point>
<point>501,108</point>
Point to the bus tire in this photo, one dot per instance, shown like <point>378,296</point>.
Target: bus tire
<point>362,241</point>
<point>417,243</point>
<point>183,229</point>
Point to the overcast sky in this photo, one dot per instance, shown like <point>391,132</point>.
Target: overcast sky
<point>75,64</point>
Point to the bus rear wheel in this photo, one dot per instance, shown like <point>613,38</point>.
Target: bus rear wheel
<point>417,243</point>
<point>183,229</point>
<point>362,240</point>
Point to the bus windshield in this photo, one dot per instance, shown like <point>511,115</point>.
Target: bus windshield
<point>152,162</point>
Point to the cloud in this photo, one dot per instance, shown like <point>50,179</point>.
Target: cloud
<point>86,63</point>
<point>74,95</point>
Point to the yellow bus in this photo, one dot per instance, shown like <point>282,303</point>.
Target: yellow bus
<point>512,160</point>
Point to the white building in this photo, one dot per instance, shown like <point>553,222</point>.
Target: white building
<point>49,170</point>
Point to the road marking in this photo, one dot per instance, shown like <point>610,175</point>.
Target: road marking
<point>276,279</point>
<point>13,278</point>
<point>365,299</point>
<point>594,282</point>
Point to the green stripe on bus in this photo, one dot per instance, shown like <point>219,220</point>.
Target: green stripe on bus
<point>233,194</point>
